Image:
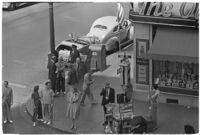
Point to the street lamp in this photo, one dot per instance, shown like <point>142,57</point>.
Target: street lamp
<point>51,24</point>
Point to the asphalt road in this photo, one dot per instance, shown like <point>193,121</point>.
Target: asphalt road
<point>26,43</point>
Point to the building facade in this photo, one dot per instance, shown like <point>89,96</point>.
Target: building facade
<point>166,46</point>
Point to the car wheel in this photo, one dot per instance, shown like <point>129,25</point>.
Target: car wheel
<point>12,6</point>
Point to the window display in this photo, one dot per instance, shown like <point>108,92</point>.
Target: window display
<point>176,74</point>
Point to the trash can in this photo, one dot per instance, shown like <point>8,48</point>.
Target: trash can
<point>98,59</point>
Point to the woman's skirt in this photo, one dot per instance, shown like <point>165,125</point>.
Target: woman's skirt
<point>73,110</point>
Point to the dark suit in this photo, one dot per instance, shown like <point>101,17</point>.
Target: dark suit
<point>111,97</point>
<point>52,73</point>
<point>74,54</point>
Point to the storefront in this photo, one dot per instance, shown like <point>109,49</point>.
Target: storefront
<point>166,47</point>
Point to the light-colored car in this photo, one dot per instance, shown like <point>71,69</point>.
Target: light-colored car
<point>106,30</point>
<point>15,5</point>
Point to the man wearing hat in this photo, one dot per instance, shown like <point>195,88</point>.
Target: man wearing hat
<point>74,53</point>
<point>52,71</point>
<point>108,96</point>
<point>154,94</point>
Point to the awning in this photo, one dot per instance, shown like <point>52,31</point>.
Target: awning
<point>175,44</point>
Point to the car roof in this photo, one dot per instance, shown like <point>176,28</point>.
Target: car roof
<point>109,21</point>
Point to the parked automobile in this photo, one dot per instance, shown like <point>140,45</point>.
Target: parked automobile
<point>14,5</point>
<point>107,32</point>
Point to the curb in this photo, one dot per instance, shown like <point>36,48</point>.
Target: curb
<point>49,126</point>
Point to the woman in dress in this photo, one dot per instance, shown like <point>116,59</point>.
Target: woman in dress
<point>73,108</point>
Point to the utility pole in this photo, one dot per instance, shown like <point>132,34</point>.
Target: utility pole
<point>51,24</point>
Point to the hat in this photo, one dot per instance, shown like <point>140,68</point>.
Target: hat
<point>46,82</point>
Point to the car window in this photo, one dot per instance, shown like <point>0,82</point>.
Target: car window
<point>100,27</point>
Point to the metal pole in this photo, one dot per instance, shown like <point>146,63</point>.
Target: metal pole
<point>51,24</point>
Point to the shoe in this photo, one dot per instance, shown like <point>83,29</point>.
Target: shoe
<point>10,121</point>
<point>49,123</point>
<point>72,127</point>
<point>5,121</point>
<point>34,124</point>
<point>75,128</point>
<point>45,122</point>
<point>41,120</point>
<point>155,128</point>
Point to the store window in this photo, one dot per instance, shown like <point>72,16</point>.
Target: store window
<point>176,74</point>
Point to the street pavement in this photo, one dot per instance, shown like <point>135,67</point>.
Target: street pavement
<point>23,124</point>
<point>171,118</point>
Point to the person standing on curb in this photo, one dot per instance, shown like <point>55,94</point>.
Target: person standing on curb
<point>108,96</point>
<point>52,71</point>
<point>71,79</point>
<point>154,94</point>
<point>86,88</point>
<point>73,108</point>
<point>74,53</point>
<point>60,76</point>
<point>37,112</point>
<point>7,101</point>
<point>47,98</point>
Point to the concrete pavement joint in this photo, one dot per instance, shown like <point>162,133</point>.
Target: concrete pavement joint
<point>18,85</point>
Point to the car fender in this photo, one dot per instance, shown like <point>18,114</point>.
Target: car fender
<point>111,43</point>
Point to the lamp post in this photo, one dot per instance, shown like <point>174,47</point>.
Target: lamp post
<point>51,25</point>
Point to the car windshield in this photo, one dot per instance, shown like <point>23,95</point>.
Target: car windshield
<point>100,27</point>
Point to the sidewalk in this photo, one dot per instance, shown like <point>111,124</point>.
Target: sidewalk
<point>171,118</point>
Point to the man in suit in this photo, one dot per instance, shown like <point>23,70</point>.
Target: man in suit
<point>52,71</point>
<point>7,102</point>
<point>108,94</point>
<point>74,53</point>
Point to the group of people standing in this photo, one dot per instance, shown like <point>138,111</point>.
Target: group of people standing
<point>64,77</point>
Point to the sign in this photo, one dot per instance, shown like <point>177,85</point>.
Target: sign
<point>167,9</point>
<point>142,68</point>
<point>142,73</point>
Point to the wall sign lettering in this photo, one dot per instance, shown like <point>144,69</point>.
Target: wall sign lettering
<point>186,10</point>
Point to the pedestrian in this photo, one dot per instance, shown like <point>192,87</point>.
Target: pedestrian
<point>71,77</point>
<point>7,100</point>
<point>108,96</point>
<point>52,71</point>
<point>47,98</point>
<point>73,108</point>
<point>74,53</point>
<point>154,94</point>
<point>128,92</point>
<point>60,76</point>
<point>37,111</point>
<point>86,88</point>
<point>80,69</point>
